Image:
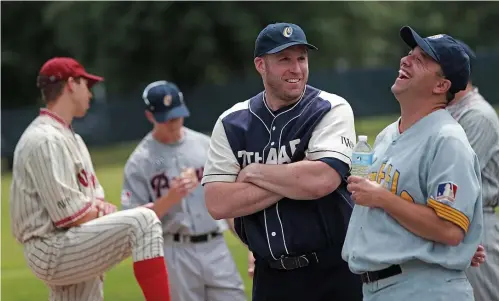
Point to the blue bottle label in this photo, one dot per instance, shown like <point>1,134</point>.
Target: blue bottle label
<point>362,159</point>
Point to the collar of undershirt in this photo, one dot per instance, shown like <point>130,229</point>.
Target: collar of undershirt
<point>53,116</point>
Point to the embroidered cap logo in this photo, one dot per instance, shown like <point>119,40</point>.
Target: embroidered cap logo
<point>167,100</point>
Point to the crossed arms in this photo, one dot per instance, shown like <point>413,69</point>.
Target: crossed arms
<point>233,192</point>
<point>259,186</point>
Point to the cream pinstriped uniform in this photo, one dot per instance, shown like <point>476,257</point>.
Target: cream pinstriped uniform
<point>54,184</point>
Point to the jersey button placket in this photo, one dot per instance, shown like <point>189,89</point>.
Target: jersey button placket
<point>274,228</point>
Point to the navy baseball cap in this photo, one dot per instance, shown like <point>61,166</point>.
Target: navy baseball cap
<point>471,54</point>
<point>446,51</point>
<point>279,36</point>
<point>165,101</point>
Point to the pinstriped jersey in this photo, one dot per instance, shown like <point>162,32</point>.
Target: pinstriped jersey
<point>320,126</point>
<point>431,164</point>
<point>53,179</point>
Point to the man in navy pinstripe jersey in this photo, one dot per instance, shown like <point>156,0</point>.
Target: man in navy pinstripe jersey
<point>277,164</point>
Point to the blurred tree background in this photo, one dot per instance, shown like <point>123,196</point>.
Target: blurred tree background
<point>204,43</point>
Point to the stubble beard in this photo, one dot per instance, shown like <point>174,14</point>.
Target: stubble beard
<point>277,90</point>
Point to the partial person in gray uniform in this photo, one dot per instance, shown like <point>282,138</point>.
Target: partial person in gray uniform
<point>481,124</point>
<point>200,264</point>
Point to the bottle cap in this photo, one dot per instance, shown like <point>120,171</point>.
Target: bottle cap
<point>363,138</point>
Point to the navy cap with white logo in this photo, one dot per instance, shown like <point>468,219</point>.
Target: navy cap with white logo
<point>165,101</point>
<point>446,51</point>
<point>279,36</point>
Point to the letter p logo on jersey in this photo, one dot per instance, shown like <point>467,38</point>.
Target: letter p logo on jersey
<point>446,191</point>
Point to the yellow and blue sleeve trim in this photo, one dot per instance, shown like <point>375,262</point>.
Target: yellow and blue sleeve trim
<point>450,214</point>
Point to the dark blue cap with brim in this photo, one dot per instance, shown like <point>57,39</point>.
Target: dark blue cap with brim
<point>471,54</point>
<point>446,51</point>
<point>178,112</point>
<point>165,101</point>
<point>279,36</point>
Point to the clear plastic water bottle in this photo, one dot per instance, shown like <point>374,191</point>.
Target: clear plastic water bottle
<point>362,157</point>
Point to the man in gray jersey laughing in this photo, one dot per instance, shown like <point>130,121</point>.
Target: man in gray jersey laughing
<point>195,249</point>
<point>481,124</point>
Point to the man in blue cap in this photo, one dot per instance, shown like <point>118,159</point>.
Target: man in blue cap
<point>418,219</point>
<point>168,164</point>
<point>481,124</point>
<point>278,164</point>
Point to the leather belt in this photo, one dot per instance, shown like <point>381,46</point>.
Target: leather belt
<point>294,262</point>
<point>325,257</point>
<point>194,238</point>
<point>390,271</point>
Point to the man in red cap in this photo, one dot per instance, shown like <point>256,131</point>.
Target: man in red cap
<point>71,236</point>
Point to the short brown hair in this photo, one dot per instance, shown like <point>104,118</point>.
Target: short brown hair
<point>51,90</point>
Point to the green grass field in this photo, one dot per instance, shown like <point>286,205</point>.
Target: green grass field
<point>19,284</point>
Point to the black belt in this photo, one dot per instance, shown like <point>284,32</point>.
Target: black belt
<point>325,257</point>
<point>369,277</point>
<point>194,238</point>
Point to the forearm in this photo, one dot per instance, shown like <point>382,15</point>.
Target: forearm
<point>163,204</point>
<point>421,220</point>
<point>230,200</point>
<point>304,180</point>
<point>92,214</point>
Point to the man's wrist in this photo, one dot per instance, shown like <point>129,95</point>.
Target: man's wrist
<point>253,173</point>
<point>384,199</point>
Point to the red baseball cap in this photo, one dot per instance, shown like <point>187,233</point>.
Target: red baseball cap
<point>62,68</point>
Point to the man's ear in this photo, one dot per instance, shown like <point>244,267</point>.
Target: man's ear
<point>70,82</point>
<point>259,65</point>
<point>442,86</point>
<point>150,117</point>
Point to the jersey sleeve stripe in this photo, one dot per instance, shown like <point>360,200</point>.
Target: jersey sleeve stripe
<point>449,211</point>
<point>454,220</point>
<point>319,154</point>
<point>450,214</point>
<point>65,221</point>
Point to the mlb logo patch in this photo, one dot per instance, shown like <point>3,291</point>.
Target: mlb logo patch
<point>446,191</point>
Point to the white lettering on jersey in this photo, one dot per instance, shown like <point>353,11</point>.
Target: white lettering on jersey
<point>272,157</point>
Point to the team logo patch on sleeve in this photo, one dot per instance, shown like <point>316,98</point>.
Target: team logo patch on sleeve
<point>446,191</point>
<point>125,197</point>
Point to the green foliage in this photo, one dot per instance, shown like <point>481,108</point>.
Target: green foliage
<point>194,43</point>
